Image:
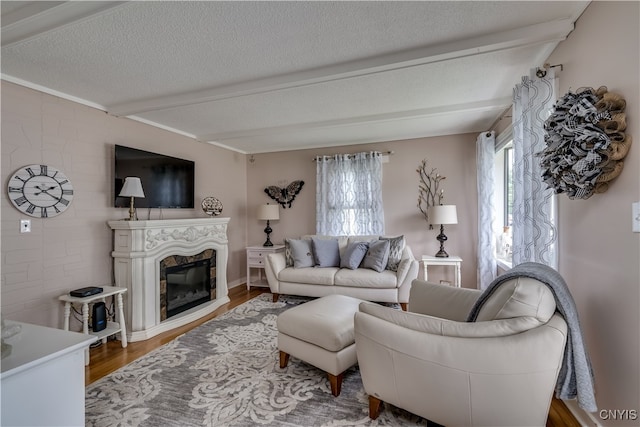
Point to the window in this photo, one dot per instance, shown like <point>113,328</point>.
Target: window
<point>508,185</point>
<point>503,199</point>
<point>349,195</point>
<point>347,207</point>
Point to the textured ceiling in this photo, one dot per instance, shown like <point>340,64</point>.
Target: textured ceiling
<point>271,76</point>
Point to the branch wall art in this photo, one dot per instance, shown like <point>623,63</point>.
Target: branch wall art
<point>429,192</point>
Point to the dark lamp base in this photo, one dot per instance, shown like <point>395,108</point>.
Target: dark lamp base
<point>268,231</point>
<point>442,254</point>
<point>442,238</point>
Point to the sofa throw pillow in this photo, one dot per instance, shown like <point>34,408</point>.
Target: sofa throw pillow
<point>377,256</point>
<point>326,252</point>
<point>288,257</point>
<point>353,255</point>
<point>302,253</point>
<point>396,246</point>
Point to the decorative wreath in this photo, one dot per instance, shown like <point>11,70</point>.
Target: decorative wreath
<point>585,142</point>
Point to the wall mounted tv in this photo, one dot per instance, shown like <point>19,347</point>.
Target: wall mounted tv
<point>168,182</point>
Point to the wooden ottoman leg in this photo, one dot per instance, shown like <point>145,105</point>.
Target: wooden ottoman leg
<point>375,405</point>
<point>284,359</point>
<point>336,383</point>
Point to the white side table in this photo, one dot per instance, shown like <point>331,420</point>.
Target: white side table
<point>453,261</point>
<point>112,326</point>
<point>256,258</point>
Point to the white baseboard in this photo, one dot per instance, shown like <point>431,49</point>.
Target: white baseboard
<point>236,282</point>
<point>586,419</point>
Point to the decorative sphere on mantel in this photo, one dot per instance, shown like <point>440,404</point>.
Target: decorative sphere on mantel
<point>211,206</point>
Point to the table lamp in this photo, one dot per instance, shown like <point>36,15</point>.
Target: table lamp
<point>443,214</point>
<point>132,188</point>
<point>268,212</point>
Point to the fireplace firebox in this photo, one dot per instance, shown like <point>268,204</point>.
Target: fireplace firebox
<point>188,286</point>
<point>186,282</point>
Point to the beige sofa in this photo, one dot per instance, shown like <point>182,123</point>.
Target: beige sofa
<point>500,370</point>
<point>363,283</point>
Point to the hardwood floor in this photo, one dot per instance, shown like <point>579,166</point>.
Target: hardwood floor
<point>560,416</point>
<point>111,356</point>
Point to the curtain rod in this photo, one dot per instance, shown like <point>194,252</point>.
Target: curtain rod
<point>384,153</point>
<point>502,116</point>
<point>541,72</point>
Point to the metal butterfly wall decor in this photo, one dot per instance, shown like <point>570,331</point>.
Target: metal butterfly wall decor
<point>284,196</point>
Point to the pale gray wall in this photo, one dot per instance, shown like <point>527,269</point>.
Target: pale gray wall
<point>599,255</point>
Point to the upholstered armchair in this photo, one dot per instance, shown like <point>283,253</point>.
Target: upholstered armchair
<point>499,370</point>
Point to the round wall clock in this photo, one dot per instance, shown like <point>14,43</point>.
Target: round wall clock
<point>40,190</point>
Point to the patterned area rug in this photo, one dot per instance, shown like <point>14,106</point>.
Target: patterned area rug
<point>226,373</point>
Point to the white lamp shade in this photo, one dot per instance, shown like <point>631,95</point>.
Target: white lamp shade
<point>266,212</point>
<point>443,214</point>
<point>132,187</point>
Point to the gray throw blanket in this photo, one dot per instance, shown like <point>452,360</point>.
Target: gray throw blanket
<point>576,376</point>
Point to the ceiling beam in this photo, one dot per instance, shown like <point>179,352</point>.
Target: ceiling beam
<point>37,18</point>
<point>492,104</point>
<point>554,31</point>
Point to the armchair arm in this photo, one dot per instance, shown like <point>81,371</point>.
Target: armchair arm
<point>449,328</point>
<point>442,301</point>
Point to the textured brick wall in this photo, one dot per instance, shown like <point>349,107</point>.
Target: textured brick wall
<point>73,250</point>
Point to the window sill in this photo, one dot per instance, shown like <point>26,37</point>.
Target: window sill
<point>503,264</point>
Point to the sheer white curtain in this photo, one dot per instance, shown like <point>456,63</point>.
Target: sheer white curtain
<point>485,159</point>
<point>534,205</point>
<point>349,194</point>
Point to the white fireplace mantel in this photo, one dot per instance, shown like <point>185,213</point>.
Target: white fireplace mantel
<point>138,248</point>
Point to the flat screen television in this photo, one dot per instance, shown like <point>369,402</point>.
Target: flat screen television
<point>167,182</point>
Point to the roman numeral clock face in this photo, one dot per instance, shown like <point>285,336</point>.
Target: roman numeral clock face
<point>40,190</point>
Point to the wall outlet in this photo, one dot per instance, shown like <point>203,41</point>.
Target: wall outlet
<point>25,226</point>
<point>635,217</point>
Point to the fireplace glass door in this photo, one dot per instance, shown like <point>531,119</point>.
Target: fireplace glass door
<point>188,285</point>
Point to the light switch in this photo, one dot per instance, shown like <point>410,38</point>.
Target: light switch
<point>635,217</point>
<point>25,226</point>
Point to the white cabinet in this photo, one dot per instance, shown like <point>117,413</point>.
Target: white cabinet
<point>43,377</point>
<point>256,257</point>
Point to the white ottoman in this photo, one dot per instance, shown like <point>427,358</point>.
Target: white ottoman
<point>320,332</point>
